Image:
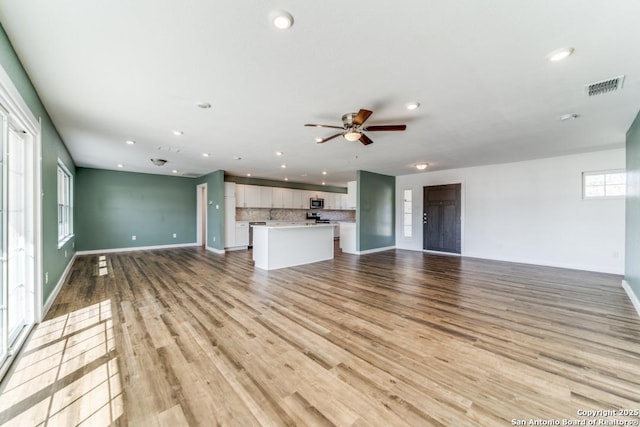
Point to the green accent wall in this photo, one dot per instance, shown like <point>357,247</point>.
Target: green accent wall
<point>375,213</point>
<point>54,260</point>
<point>215,217</point>
<point>111,206</point>
<point>284,184</point>
<point>632,228</point>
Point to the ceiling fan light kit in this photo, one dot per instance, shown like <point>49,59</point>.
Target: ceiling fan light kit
<point>353,130</point>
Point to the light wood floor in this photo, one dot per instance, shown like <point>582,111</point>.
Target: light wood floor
<point>185,337</point>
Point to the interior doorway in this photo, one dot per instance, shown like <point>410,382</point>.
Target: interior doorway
<point>441,218</point>
<point>201,216</point>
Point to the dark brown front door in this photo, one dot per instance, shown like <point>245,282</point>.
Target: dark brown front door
<point>441,218</point>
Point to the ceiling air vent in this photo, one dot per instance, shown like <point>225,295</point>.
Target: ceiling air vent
<point>604,86</point>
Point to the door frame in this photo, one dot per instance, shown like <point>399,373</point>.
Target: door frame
<point>20,116</point>
<point>462,217</point>
<point>201,220</point>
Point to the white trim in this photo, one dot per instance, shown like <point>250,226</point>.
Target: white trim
<point>200,203</point>
<point>371,251</point>
<point>632,296</point>
<point>18,107</point>
<point>133,249</point>
<point>217,251</point>
<point>235,248</point>
<point>15,349</point>
<point>56,290</point>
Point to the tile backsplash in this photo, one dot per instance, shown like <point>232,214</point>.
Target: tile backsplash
<point>262,214</point>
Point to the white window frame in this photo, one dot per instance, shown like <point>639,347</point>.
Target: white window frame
<point>407,228</point>
<point>604,173</point>
<point>65,204</point>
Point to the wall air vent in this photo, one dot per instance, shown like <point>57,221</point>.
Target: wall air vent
<point>604,86</point>
<point>191,175</point>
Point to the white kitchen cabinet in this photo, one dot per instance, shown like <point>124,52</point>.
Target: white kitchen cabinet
<point>287,198</point>
<point>242,234</point>
<point>344,203</point>
<point>240,202</point>
<point>283,198</point>
<point>296,199</point>
<point>266,197</point>
<point>229,222</point>
<point>229,189</point>
<point>352,193</point>
<point>252,196</point>
<point>330,201</point>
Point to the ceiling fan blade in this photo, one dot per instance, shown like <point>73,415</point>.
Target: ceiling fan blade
<point>361,117</point>
<point>322,141</point>
<point>385,127</point>
<point>365,139</point>
<point>325,126</point>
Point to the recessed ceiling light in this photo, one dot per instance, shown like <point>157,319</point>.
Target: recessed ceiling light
<point>286,179</point>
<point>175,171</point>
<point>205,154</point>
<point>120,165</point>
<point>571,116</point>
<point>318,139</point>
<point>304,174</point>
<point>283,166</point>
<point>130,142</point>
<point>203,105</point>
<point>248,174</point>
<point>412,105</point>
<point>324,172</point>
<point>421,166</point>
<point>281,19</point>
<point>279,153</point>
<point>178,132</point>
<point>559,54</point>
<point>323,183</point>
<point>237,158</point>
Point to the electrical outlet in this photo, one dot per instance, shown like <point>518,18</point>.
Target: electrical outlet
<point>46,277</point>
<point>175,235</point>
<point>65,253</point>
<point>217,206</point>
<point>133,237</point>
<point>214,238</point>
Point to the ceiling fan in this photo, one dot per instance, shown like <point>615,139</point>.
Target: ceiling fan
<point>352,127</point>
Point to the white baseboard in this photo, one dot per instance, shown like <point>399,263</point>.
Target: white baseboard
<point>426,251</point>
<point>234,248</point>
<point>56,290</point>
<point>374,250</point>
<point>216,251</point>
<point>136,248</point>
<point>632,296</point>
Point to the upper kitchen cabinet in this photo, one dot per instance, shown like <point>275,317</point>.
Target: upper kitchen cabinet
<point>266,197</point>
<point>352,194</point>
<point>247,196</point>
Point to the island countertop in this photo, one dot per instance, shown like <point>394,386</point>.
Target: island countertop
<point>279,246</point>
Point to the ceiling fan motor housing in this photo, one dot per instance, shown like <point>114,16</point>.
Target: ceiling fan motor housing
<point>347,120</point>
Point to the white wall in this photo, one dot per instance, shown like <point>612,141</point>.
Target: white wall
<point>530,212</point>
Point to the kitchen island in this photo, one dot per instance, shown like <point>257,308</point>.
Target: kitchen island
<point>289,245</point>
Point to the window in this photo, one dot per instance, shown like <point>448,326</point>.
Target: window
<point>407,213</point>
<point>65,206</point>
<point>604,184</point>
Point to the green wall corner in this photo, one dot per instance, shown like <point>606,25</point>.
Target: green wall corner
<point>375,215</point>
<point>632,206</point>
<point>215,208</point>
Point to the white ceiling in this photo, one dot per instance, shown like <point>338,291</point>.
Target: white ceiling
<point>108,71</point>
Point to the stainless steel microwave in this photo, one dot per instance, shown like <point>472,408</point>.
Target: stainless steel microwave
<point>316,203</point>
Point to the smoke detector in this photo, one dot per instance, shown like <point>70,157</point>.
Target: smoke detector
<point>604,86</point>
<point>158,162</point>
